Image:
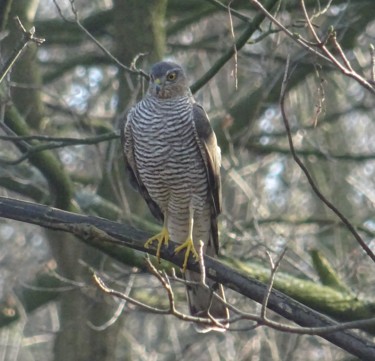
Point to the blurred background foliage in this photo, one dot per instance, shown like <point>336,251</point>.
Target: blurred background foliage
<point>70,88</point>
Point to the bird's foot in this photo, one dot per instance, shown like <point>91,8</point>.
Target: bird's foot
<point>162,237</point>
<point>189,245</point>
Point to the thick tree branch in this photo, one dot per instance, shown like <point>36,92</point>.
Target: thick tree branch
<point>97,232</point>
<point>59,183</point>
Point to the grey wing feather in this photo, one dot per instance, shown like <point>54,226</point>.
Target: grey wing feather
<point>131,166</point>
<point>212,158</point>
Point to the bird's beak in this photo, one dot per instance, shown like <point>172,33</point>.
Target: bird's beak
<point>158,85</point>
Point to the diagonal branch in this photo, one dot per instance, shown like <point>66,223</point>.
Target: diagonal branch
<point>27,37</point>
<point>241,41</point>
<point>314,187</point>
<point>319,48</point>
<point>99,232</point>
<point>53,143</point>
<point>132,69</point>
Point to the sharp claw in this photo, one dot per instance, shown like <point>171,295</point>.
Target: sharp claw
<point>162,237</point>
<point>189,245</point>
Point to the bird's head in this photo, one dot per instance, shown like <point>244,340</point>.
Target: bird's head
<point>167,80</point>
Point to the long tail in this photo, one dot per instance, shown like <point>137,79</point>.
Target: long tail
<point>201,301</point>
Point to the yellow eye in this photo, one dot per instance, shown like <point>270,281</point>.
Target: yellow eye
<point>171,76</point>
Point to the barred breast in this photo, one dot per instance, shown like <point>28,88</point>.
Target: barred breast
<point>170,163</point>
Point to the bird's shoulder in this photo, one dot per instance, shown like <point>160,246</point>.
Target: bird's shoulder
<point>202,122</point>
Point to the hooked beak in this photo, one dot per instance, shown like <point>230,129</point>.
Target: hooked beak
<point>158,85</point>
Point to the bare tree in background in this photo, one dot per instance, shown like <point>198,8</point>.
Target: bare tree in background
<point>290,92</point>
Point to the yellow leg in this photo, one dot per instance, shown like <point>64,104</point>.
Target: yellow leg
<point>162,237</point>
<point>188,244</point>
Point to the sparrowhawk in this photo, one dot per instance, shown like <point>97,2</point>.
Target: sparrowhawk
<point>172,157</point>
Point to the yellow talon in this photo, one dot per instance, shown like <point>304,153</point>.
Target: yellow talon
<point>162,237</point>
<point>189,245</point>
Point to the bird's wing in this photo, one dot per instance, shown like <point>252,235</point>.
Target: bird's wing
<point>212,158</point>
<point>127,142</point>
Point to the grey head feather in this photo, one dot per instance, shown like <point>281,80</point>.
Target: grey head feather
<point>168,80</point>
<point>160,69</point>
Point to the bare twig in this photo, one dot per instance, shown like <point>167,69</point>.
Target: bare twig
<point>201,264</point>
<point>322,44</point>
<point>54,143</point>
<point>321,11</point>
<point>346,67</point>
<point>94,40</point>
<point>119,309</point>
<point>100,283</point>
<point>261,320</point>
<point>274,268</point>
<point>164,281</point>
<point>27,37</point>
<point>319,47</point>
<point>66,140</point>
<point>234,12</point>
<point>241,41</point>
<point>235,72</point>
<point>320,95</point>
<point>372,54</point>
<point>295,37</point>
<point>133,64</point>
<point>299,330</point>
<point>314,187</point>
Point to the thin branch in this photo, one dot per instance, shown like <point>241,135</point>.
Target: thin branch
<point>314,187</point>
<point>321,331</point>
<point>130,69</point>
<point>233,12</point>
<point>322,44</point>
<point>101,285</point>
<point>241,41</point>
<point>164,281</point>
<point>202,269</point>
<point>345,68</point>
<point>261,320</point>
<point>274,268</point>
<point>259,148</point>
<point>119,309</point>
<point>27,37</point>
<point>235,72</point>
<point>295,37</point>
<point>55,143</point>
<point>319,48</point>
<point>372,55</point>
<point>66,140</point>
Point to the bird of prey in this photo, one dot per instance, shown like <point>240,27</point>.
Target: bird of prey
<point>172,158</point>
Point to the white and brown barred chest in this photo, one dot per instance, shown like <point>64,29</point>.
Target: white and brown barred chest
<point>167,153</point>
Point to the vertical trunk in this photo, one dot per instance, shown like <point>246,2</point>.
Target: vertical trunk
<point>139,28</point>
<point>26,71</point>
<point>75,340</point>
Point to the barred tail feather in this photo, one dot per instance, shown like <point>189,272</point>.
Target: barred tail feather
<point>203,304</point>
